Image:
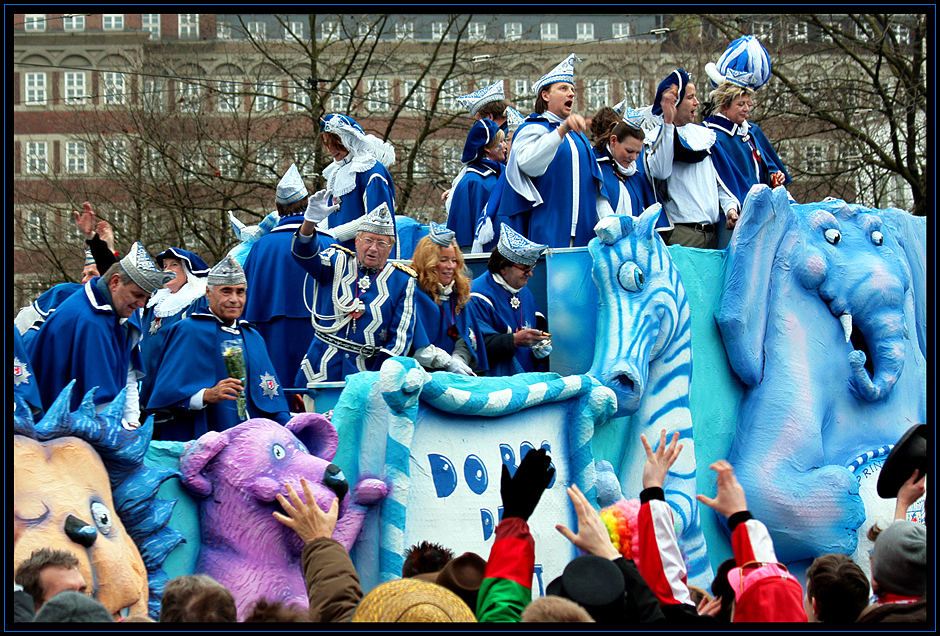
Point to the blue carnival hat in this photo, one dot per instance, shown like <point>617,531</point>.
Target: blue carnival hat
<point>518,248</point>
<point>227,272</point>
<point>564,72</point>
<point>478,98</point>
<point>195,264</point>
<point>638,119</point>
<point>677,78</point>
<point>89,259</point>
<point>744,55</point>
<point>291,187</point>
<point>481,133</point>
<point>143,271</point>
<point>740,78</point>
<point>441,235</point>
<point>378,221</point>
<point>513,119</point>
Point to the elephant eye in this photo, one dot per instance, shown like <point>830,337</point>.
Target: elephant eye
<point>102,517</point>
<point>877,237</point>
<point>833,236</point>
<point>631,277</point>
<point>278,451</point>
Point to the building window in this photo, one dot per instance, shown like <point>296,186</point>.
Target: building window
<point>35,89</point>
<point>256,30</point>
<point>223,30</point>
<point>34,22</point>
<point>815,157</point>
<point>342,94</point>
<point>189,26</point>
<point>367,31</point>
<point>266,160</point>
<point>764,31</point>
<point>76,157</point>
<point>521,88</point>
<point>597,94</point>
<point>634,93</point>
<point>377,95</point>
<point>476,31</point>
<point>418,100</point>
<point>227,100</point>
<point>620,30</point>
<point>228,163</point>
<point>75,88</point>
<point>153,95</point>
<point>112,21</point>
<point>188,97</point>
<point>73,22</point>
<point>305,158</point>
<point>300,99</point>
<point>585,31</point>
<point>329,31</point>
<point>797,32</point>
<point>294,31</point>
<point>114,155</point>
<point>151,22</point>
<point>115,88</point>
<point>512,31</point>
<point>440,31</point>
<point>549,31</point>
<point>37,157</point>
<point>32,225</point>
<point>902,33</point>
<point>422,165</point>
<point>266,98</point>
<point>405,31</point>
<point>448,93</point>
<point>450,160</point>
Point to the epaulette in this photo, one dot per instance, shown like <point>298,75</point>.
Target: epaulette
<point>344,249</point>
<point>405,269</point>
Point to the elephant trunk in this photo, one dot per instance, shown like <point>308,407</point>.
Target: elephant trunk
<point>877,358</point>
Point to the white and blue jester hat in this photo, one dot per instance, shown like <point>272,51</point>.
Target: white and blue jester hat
<point>143,271</point>
<point>227,272</point>
<point>291,187</point>
<point>378,221</point>
<point>518,248</point>
<point>513,119</point>
<point>441,235</point>
<point>637,118</point>
<point>357,142</point>
<point>745,62</point>
<point>89,259</point>
<point>563,72</point>
<point>478,98</point>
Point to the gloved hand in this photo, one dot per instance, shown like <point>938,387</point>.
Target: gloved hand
<point>522,491</point>
<point>456,365</point>
<point>318,207</point>
<point>542,349</point>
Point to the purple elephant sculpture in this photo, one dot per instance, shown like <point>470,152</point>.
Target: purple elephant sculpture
<point>237,473</point>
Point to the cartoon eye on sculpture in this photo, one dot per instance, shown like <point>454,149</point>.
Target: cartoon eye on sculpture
<point>818,320</point>
<point>237,474</point>
<point>643,351</point>
<point>80,484</point>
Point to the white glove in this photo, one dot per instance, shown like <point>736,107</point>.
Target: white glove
<point>318,208</point>
<point>456,365</point>
<point>542,349</point>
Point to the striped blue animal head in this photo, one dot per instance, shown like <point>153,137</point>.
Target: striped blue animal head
<point>643,315</point>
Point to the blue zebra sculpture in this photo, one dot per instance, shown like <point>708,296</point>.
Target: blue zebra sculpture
<point>643,352</point>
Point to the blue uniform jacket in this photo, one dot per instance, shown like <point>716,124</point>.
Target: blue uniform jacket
<point>734,160</point>
<point>492,305</point>
<point>434,321</point>
<point>470,196</point>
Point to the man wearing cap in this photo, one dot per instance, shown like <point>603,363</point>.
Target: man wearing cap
<point>279,297</point>
<point>365,307</point>
<point>899,575</point>
<point>484,157</point>
<point>358,180</point>
<point>489,103</point>
<point>552,178</point>
<point>93,336</point>
<point>514,338</point>
<point>679,165</point>
<point>194,385</point>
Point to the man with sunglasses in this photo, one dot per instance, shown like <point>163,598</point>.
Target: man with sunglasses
<point>364,306</point>
<point>513,328</point>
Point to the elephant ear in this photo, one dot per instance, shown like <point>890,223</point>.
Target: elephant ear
<point>316,433</point>
<point>196,457</point>
<point>908,236</point>
<point>745,300</point>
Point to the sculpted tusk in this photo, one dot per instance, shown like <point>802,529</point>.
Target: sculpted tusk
<point>846,320</point>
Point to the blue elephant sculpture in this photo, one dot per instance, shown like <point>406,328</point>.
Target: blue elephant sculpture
<point>643,352</point>
<point>821,316</point>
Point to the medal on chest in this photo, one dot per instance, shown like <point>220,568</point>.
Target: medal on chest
<point>20,373</point>
<point>269,385</point>
<point>365,283</point>
<point>514,302</point>
<point>155,325</point>
<point>357,313</point>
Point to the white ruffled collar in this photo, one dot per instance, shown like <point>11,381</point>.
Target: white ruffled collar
<point>165,303</point>
<point>341,175</point>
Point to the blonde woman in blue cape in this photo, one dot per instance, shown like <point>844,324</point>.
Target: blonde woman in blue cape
<point>447,336</point>
<point>484,158</point>
<point>551,178</point>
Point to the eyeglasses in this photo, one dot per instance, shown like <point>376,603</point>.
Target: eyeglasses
<point>526,269</point>
<point>369,242</point>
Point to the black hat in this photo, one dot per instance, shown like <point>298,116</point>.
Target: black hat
<point>594,583</point>
<point>908,454</point>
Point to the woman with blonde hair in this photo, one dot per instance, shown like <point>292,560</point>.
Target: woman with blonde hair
<point>447,336</point>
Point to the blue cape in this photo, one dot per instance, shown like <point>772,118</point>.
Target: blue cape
<point>434,320</point>
<point>733,159</point>
<point>373,187</point>
<point>469,198</point>
<point>24,380</point>
<point>491,303</point>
